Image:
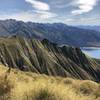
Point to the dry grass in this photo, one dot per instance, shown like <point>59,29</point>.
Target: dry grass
<point>6,86</point>
<point>30,86</point>
<point>42,94</point>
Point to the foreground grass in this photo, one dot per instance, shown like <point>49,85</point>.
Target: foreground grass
<point>30,86</point>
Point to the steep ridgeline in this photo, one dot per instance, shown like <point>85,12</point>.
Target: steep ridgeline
<point>45,57</point>
<point>58,33</point>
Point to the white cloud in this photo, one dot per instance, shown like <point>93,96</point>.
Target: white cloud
<point>42,10</point>
<point>38,5</point>
<point>24,16</point>
<point>34,16</point>
<point>45,14</point>
<point>69,20</point>
<point>85,21</point>
<point>84,6</point>
<point>41,13</point>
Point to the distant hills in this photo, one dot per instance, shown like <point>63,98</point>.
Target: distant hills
<point>45,57</point>
<point>96,28</point>
<point>58,33</point>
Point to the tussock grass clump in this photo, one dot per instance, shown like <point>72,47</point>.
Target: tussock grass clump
<point>97,92</point>
<point>42,94</point>
<point>5,88</point>
<point>68,81</point>
<point>46,91</point>
<point>45,94</point>
<point>88,87</point>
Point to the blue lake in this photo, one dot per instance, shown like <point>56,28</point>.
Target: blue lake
<point>92,52</point>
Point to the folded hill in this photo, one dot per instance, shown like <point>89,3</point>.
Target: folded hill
<point>58,33</point>
<point>45,57</point>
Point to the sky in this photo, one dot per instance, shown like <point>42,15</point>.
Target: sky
<point>72,12</point>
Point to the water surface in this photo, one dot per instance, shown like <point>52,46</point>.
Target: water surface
<point>92,52</point>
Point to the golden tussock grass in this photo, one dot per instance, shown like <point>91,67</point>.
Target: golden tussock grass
<point>30,86</point>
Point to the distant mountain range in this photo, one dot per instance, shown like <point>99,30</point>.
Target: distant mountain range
<point>96,28</point>
<point>58,33</point>
<point>44,57</point>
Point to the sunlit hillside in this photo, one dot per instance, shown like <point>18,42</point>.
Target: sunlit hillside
<point>18,85</point>
<point>45,57</point>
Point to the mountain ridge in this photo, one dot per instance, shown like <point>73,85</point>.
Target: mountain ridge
<point>58,33</point>
<point>94,27</point>
<point>45,57</point>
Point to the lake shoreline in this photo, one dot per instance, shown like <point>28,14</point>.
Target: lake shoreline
<point>93,52</point>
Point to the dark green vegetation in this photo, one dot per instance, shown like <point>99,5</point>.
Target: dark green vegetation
<point>45,57</point>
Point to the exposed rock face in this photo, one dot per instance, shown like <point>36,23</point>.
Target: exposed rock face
<point>45,57</point>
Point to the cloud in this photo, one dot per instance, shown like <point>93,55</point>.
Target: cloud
<point>61,3</point>
<point>40,13</point>
<point>84,6</point>
<point>84,21</point>
<point>69,20</point>
<point>34,16</point>
<point>38,5</point>
<point>45,14</point>
<point>24,16</point>
<point>42,10</point>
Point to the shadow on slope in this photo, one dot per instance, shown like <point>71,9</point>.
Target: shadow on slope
<point>45,57</point>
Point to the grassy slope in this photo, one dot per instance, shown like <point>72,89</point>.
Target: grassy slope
<point>47,58</point>
<point>30,86</point>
